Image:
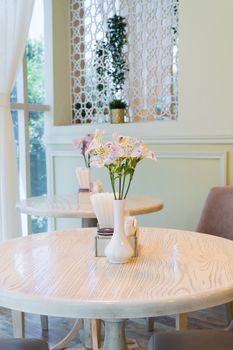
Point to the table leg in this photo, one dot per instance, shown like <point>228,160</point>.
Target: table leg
<point>96,333</point>
<point>181,321</point>
<point>150,324</point>
<point>18,324</point>
<point>115,335</point>
<point>70,336</point>
<point>44,322</point>
<point>87,336</point>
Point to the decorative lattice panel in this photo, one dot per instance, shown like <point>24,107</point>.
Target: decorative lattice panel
<point>149,58</point>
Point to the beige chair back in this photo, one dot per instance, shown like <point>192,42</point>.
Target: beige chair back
<point>217,215</point>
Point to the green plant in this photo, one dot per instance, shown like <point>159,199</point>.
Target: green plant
<point>116,40</point>
<point>117,104</point>
<point>101,60</point>
<point>110,61</point>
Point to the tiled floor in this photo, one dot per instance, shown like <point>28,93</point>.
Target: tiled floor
<point>136,329</point>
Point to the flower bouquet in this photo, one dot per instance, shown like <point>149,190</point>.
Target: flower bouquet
<point>120,157</point>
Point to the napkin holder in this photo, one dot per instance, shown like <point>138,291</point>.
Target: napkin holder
<point>102,204</point>
<point>101,241</point>
<point>84,197</point>
<point>85,194</point>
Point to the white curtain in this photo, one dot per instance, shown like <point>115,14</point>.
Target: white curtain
<point>15,16</point>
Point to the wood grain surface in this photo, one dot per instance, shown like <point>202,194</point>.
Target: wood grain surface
<point>57,274</point>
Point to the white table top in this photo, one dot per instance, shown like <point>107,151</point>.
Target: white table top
<point>57,274</point>
<point>68,206</point>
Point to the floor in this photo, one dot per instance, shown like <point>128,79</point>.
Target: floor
<point>211,318</point>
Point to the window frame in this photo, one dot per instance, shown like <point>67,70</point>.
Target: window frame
<point>24,138</point>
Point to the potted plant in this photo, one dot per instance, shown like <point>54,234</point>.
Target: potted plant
<point>117,109</point>
<point>111,66</point>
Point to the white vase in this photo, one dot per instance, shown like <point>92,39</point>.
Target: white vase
<point>84,178</point>
<point>119,250</point>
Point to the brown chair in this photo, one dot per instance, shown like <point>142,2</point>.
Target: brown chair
<point>216,219</point>
<point>192,340</point>
<point>23,344</point>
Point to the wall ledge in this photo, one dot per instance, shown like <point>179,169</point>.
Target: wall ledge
<point>65,136</point>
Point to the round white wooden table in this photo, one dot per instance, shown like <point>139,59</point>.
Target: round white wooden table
<point>57,274</point>
<point>69,206</point>
<point>77,206</point>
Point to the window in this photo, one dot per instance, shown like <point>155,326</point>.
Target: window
<point>127,50</point>
<point>29,113</point>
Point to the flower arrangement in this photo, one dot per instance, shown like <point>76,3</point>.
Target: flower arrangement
<point>120,157</point>
<point>82,145</point>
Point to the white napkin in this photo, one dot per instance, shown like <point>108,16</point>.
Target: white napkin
<point>102,204</point>
<point>97,186</point>
<point>130,225</point>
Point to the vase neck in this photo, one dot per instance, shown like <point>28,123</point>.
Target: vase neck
<point>119,215</point>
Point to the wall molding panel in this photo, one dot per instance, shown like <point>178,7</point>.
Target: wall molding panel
<point>62,161</point>
<point>220,156</point>
<point>208,155</point>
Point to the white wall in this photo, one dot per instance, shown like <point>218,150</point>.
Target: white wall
<point>205,75</point>
<point>61,62</point>
<point>205,70</point>
<point>205,122</point>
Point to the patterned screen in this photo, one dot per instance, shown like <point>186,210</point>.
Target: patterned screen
<point>128,50</point>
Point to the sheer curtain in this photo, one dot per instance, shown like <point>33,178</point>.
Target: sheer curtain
<point>15,16</point>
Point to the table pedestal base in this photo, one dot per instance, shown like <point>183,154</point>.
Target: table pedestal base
<point>70,336</point>
<point>115,335</point>
<point>89,222</point>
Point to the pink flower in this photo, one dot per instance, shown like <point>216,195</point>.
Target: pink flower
<point>149,155</point>
<point>96,142</point>
<point>137,152</point>
<point>120,157</point>
<point>125,143</point>
<point>77,144</point>
<point>82,145</point>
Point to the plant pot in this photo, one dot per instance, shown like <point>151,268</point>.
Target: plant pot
<point>117,115</point>
<point>119,250</point>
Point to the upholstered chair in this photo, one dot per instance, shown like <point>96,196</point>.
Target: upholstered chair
<point>23,344</point>
<point>216,219</point>
<point>192,340</point>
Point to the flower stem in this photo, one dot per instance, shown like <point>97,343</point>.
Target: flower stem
<point>112,182</point>
<point>127,190</point>
<point>120,197</point>
<point>123,186</point>
<point>88,160</point>
<point>85,160</point>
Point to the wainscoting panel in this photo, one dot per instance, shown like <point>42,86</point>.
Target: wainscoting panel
<point>180,178</point>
